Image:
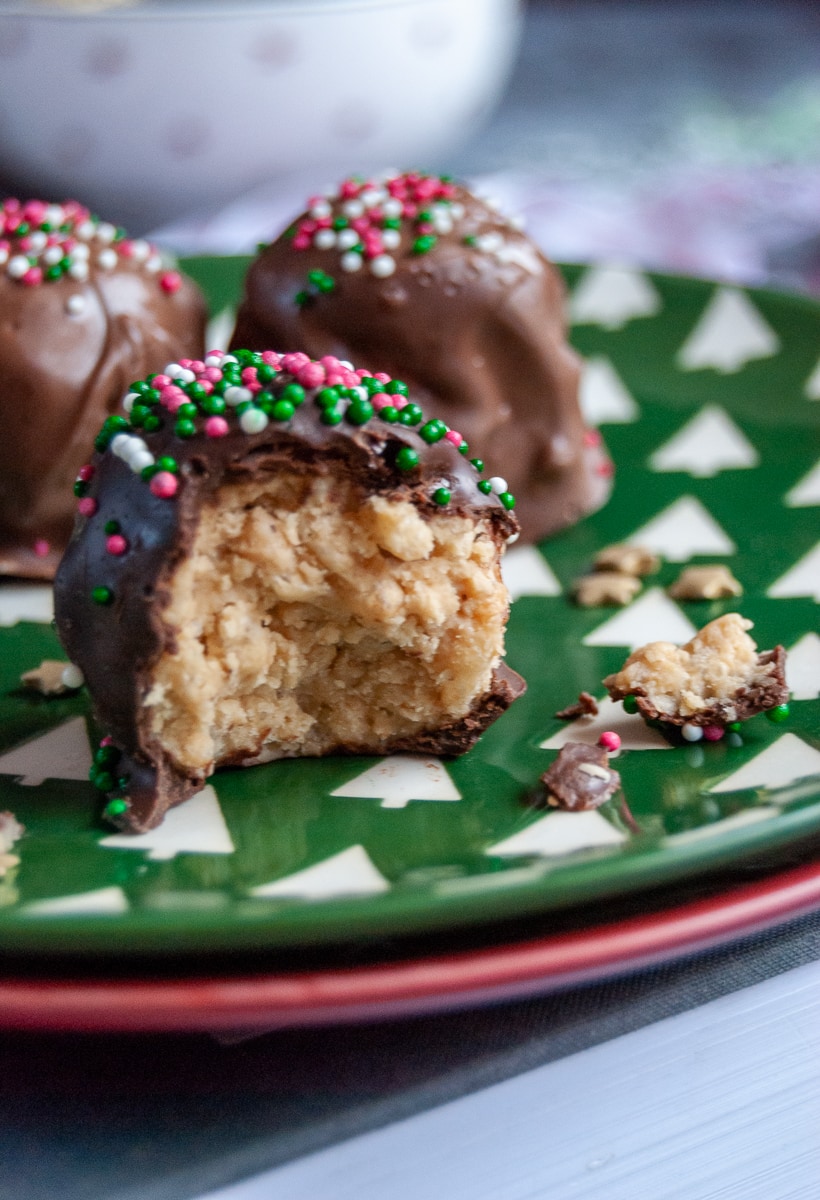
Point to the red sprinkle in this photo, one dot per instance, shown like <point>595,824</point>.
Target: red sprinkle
<point>216,427</point>
<point>116,544</point>
<point>713,733</point>
<point>164,485</point>
<point>170,282</point>
<point>86,472</point>
<point>609,741</point>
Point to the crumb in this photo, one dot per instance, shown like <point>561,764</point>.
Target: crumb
<point>585,705</point>
<point>47,678</point>
<point>705,583</point>
<point>580,778</point>
<point>605,589</point>
<point>629,560</point>
<point>716,678</point>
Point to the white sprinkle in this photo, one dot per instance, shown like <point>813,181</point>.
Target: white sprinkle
<point>391,239</point>
<point>351,261</point>
<point>75,305</point>
<point>321,209</point>
<point>382,266</point>
<point>4,255</point>
<point>54,214</point>
<point>106,232</point>
<point>153,264</point>
<point>253,420</point>
<point>72,677</point>
<point>107,259</point>
<point>393,207</point>
<point>229,358</point>
<point>370,197</point>
<point>78,270</point>
<point>492,202</point>
<point>140,460</point>
<point>130,400</point>
<point>344,363</point>
<point>214,360</point>
<point>18,265</point>
<point>489,242</point>
<point>498,485</point>
<point>594,770</point>
<point>85,230</point>
<point>388,173</point>
<point>325,239</point>
<point>135,445</point>
<point>119,444</point>
<point>346,238</point>
<point>140,250</point>
<point>80,251</point>
<point>517,222</point>
<point>457,211</point>
<point>237,395</point>
<point>442,222</point>
<point>38,240</point>
<point>175,371</point>
<point>53,255</point>
<point>513,538</point>
<point>353,208</point>
<point>692,733</point>
<point>361,392</point>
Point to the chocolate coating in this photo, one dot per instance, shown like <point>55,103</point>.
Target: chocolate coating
<point>475,324</point>
<point>69,347</point>
<point>580,778</point>
<point>116,644</point>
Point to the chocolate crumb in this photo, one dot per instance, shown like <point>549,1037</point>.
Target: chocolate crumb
<point>580,778</point>
<point>585,705</point>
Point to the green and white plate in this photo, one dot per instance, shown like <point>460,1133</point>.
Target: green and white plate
<point>709,399</point>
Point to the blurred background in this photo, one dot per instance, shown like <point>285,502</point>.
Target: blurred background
<point>684,136</point>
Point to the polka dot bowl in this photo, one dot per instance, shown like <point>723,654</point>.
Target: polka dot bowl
<point>152,110</point>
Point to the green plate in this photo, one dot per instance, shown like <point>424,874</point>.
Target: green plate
<point>708,397</point>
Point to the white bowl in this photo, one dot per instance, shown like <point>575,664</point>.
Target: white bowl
<point>152,111</point>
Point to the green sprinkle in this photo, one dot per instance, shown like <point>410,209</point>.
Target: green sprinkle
<point>262,246</point>
<point>196,391</point>
<point>478,463</point>
<point>185,429</point>
<point>103,780</point>
<point>359,412</point>
<point>470,240</point>
<point>111,527</point>
<point>266,373</point>
<point>464,449</point>
<point>294,392</point>
<point>442,495</point>
<point>373,386</point>
<point>432,431</point>
<point>330,416</point>
<point>138,414</point>
<point>106,755</point>
<point>327,284</point>
<point>391,223</point>
<point>102,595</point>
<point>327,397</point>
<point>407,459</point>
<point>389,414</point>
<point>301,298</point>
<point>152,423</point>
<point>148,473</point>
<point>282,410</point>
<point>80,487</point>
<point>187,411</point>
<point>734,727</point>
<point>779,713</point>
<point>116,807</point>
<point>140,387</point>
<point>507,499</point>
<point>340,223</point>
<point>425,216</point>
<point>396,388</point>
<point>630,704</point>
<point>485,486</point>
<point>54,272</point>
<point>214,406</point>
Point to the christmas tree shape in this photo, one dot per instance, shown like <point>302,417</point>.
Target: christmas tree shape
<point>709,443</point>
<point>526,572</point>
<point>783,762</point>
<point>220,328</point>
<point>633,731</point>
<point>812,388</point>
<point>107,901</point>
<point>603,395</point>
<point>653,617</point>
<point>611,296</point>
<point>803,668</point>
<point>803,579</point>
<point>749,816</point>
<point>349,873</point>
<point>730,333</point>
<point>195,827</point>
<point>559,834</point>
<point>401,778</point>
<point>26,602</point>
<point>682,530</point>
<point>62,753</point>
<point>806,492</point>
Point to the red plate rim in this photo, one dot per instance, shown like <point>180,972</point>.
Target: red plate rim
<point>411,987</point>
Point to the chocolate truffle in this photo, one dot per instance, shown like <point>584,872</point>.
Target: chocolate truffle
<point>416,275</point>
<point>270,564</point>
<point>83,311</point>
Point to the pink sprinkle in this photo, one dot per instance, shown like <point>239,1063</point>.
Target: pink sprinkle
<point>41,547</point>
<point>32,277</point>
<point>87,506</point>
<point>170,282</point>
<point>293,362</point>
<point>161,381</point>
<point>410,210</point>
<point>107,740</point>
<point>116,544</point>
<point>307,226</point>
<point>217,354</point>
<point>164,485</point>
<point>186,363</point>
<point>248,375</point>
<point>197,366</point>
<point>312,375</point>
<point>349,378</point>
<point>452,436</point>
<point>381,400</point>
<point>254,387</point>
<point>382,378</point>
<point>206,386</point>
<point>85,473</point>
<point>330,362</point>
<point>25,244</point>
<point>125,248</point>
<point>592,437</point>
<point>399,401</point>
<point>609,741</point>
<point>447,191</point>
<point>426,188</point>
<point>272,358</point>
<point>301,242</point>
<point>172,397</point>
<point>605,468</point>
<point>364,374</point>
<point>335,379</point>
<point>424,227</point>
<point>349,189</point>
<point>360,224</point>
<point>211,375</point>
<point>216,427</point>
<point>713,733</point>
<point>323,222</point>
<point>34,211</point>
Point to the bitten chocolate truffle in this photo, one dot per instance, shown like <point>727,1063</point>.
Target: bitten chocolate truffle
<point>416,275</point>
<point>277,557</point>
<point>83,311</point>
